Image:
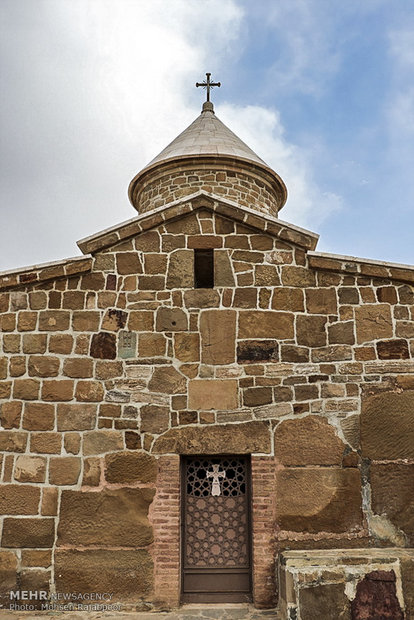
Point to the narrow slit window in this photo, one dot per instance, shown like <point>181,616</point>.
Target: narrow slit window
<point>203,268</point>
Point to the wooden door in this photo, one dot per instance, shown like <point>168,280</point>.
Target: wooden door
<point>216,538</point>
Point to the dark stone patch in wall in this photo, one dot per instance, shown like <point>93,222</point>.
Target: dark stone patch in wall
<point>376,597</point>
<point>393,349</point>
<point>257,351</point>
<point>103,346</point>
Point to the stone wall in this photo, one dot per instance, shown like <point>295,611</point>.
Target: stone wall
<point>109,374</point>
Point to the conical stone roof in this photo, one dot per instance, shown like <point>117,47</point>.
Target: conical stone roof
<point>207,135</point>
<point>208,156</point>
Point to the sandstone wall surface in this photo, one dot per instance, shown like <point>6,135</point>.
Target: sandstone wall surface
<point>108,375</point>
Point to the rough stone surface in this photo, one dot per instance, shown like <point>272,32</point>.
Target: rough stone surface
<point>373,322</point>
<point>31,533</point>
<point>167,380</point>
<point>236,439</point>
<point>19,499</point>
<point>218,333</point>
<point>266,325</point>
<point>30,469</point>
<point>318,499</point>
<point>392,487</point>
<point>124,467</point>
<point>308,441</point>
<point>387,430</point>
<point>105,518</point>
<point>154,419</point>
<point>126,574</point>
<point>103,346</point>
<point>324,601</point>
<point>212,394</point>
<point>376,597</point>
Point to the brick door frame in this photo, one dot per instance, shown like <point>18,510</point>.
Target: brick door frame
<point>165,517</point>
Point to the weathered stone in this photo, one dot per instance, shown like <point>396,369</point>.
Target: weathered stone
<point>387,294</point>
<point>61,343</point>
<point>53,320</point>
<point>245,297</point>
<point>26,321</point>
<point>128,262</point>
<point>151,283</point>
<point>376,597</point>
<point>171,320</point>
<point>61,389</point>
<point>85,321</point>
<point>34,557</point>
<point>127,344</point>
<point>18,499</point>
<point>333,353</point>
<point>11,342</point>
<point>127,575</point>
<point>341,333</point>
<point>105,518</point>
<point>257,351</point>
<point>212,394</point>
<point>32,533</point>
<point>10,414</point>
<point>253,397</point>
<point>154,419</point>
<point>148,241</point>
<point>288,299</point>
<point>38,417</point>
<point>265,324</point>
<point>181,269</point>
<point>64,470</point>
<point>187,346</point>
<point>78,367</point>
<point>321,301</point>
<point>49,503</point>
<point>348,295</point>
<point>318,499</point>
<point>324,600</point>
<point>290,353</point>
<point>298,276</point>
<point>201,298</point>
<point>43,366</point>
<point>46,443</point>
<point>168,381</point>
<point>17,366</point>
<point>152,345</point>
<point>308,441</point>
<point>387,430</point>
<point>93,282</point>
<point>218,333</point>
<point>34,343</point>
<point>243,438</point>
<point>75,417</point>
<point>310,330</point>
<point>114,319</point>
<point>350,429</point>
<point>127,467</point>
<point>373,322</point>
<point>108,370</point>
<point>91,472</point>
<point>392,487</point>
<point>141,321</point>
<point>99,442</point>
<point>26,389</point>
<point>306,392</point>
<point>89,391</point>
<point>8,576</point>
<point>223,272</point>
<point>393,350</point>
<point>155,263</point>
<point>30,468</point>
<point>103,346</point>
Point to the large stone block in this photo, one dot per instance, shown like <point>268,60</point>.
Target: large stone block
<point>64,470</point>
<point>288,299</point>
<point>128,262</point>
<point>257,351</point>
<point>324,601</point>
<point>181,269</point>
<point>105,518</point>
<point>39,416</point>
<point>319,499</point>
<point>171,320</point>
<point>8,576</point>
<point>223,272</point>
<point>43,366</point>
<point>99,442</point>
<point>12,441</point>
<point>75,417</point>
<point>29,532</point>
<point>218,334</point>
<point>308,441</point>
<point>154,419</point>
<point>18,499</point>
<point>125,467</point>
<point>103,346</point>
<point>373,322</point>
<point>266,324</point>
<point>30,468</point>
<point>387,428</point>
<point>168,381</point>
<point>212,394</point>
<point>392,486</point>
<point>128,575</point>
<point>321,301</point>
<point>187,346</point>
<point>393,349</point>
<point>245,438</point>
<point>310,331</point>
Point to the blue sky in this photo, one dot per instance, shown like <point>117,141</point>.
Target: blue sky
<point>323,90</point>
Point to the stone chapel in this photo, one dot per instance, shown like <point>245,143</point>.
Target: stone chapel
<point>203,408</point>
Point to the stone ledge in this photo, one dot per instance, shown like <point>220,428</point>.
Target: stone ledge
<point>361,266</point>
<point>42,272</point>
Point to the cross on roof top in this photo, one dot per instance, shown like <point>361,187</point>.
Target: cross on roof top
<point>208,85</point>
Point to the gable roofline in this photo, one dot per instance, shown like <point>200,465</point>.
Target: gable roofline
<point>184,206</point>
<point>353,265</point>
<point>42,272</point>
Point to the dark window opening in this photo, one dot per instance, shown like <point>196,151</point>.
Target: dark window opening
<point>203,269</point>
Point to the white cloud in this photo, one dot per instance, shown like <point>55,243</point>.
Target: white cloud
<point>262,130</point>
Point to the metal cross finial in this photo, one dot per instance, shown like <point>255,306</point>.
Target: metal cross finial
<point>216,475</point>
<point>208,85</point>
